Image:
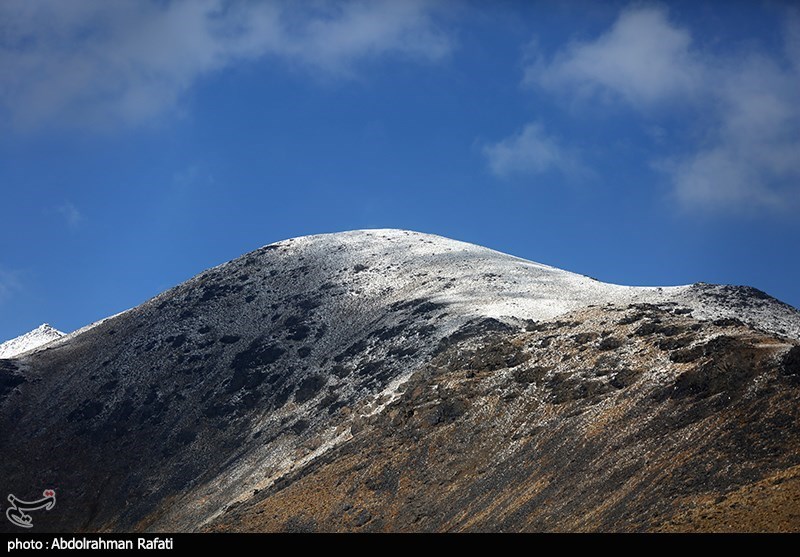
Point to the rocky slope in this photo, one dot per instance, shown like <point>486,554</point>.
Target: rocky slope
<point>391,380</point>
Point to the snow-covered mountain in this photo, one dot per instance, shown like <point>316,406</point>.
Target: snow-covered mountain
<point>393,380</point>
<point>41,335</point>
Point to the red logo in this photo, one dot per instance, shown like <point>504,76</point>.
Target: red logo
<point>49,493</point>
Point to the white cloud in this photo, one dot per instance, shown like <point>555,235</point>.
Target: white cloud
<point>643,59</point>
<point>531,151</point>
<point>100,63</point>
<point>752,159</point>
<point>336,36</point>
<point>745,105</point>
<point>71,214</point>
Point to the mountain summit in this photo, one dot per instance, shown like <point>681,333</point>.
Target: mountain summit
<point>387,380</point>
<point>40,336</point>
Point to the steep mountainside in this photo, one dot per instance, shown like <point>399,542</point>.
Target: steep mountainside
<point>391,380</point>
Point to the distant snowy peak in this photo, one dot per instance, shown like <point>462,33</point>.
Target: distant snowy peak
<point>41,335</point>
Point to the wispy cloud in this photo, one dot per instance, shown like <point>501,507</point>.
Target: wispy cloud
<point>9,283</point>
<point>72,216</point>
<point>100,63</point>
<point>745,108</point>
<point>337,35</point>
<point>192,175</point>
<point>752,156</point>
<point>531,151</point>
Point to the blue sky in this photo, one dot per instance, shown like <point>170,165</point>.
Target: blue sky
<point>638,143</point>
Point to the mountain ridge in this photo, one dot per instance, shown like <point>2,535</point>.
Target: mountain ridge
<point>197,404</point>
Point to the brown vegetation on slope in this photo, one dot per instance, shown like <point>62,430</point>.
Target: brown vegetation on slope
<point>609,419</point>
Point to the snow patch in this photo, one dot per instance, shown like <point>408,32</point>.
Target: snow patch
<point>42,335</point>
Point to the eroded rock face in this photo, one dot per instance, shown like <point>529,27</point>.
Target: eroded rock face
<point>388,380</point>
